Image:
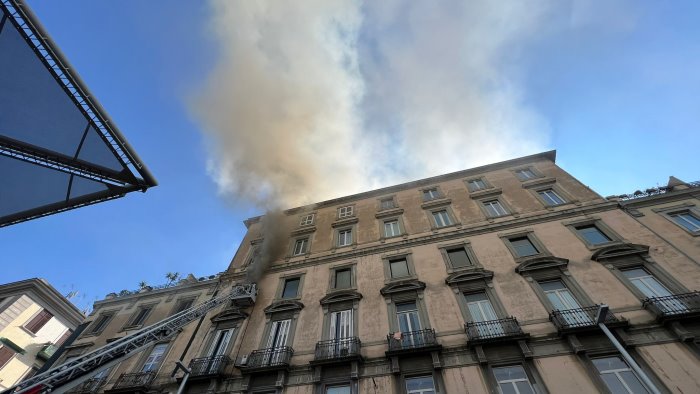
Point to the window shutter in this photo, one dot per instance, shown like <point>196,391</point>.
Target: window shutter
<point>38,321</point>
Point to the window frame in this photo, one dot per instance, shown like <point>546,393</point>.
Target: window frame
<point>189,298</point>
<point>467,245</point>
<point>482,204</point>
<point>587,361</point>
<point>340,216</point>
<point>438,385</point>
<point>600,225</point>
<point>536,174</point>
<point>408,256</point>
<point>34,316</point>
<point>382,227</point>
<point>528,366</point>
<point>380,202</point>
<point>12,356</point>
<point>90,330</point>
<point>294,242</point>
<point>487,184</point>
<point>554,191</point>
<point>401,298</point>
<point>438,193</point>
<point>332,276</point>
<point>530,235</point>
<point>450,214</point>
<point>282,280</point>
<point>130,322</point>
<point>303,221</point>
<point>353,238</point>
<point>688,208</point>
<point>145,354</point>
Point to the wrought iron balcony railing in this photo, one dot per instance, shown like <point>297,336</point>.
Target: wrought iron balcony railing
<point>581,319</point>
<point>412,340</point>
<point>674,306</point>
<point>89,386</point>
<point>134,380</point>
<point>493,330</point>
<point>337,349</point>
<point>207,366</point>
<point>266,358</point>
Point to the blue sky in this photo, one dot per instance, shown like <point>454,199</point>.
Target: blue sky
<point>612,88</point>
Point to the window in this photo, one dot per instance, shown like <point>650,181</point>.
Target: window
<point>458,257</point>
<point>6,355</point>
<point>618,376</point>
<point>101,323</point>
<point>420,385</point>
<point>592,234</point>
<point>341,326</point>
<point>513,379</point>
<point>475,185</point>
<point>523,247</point>
<point>525,174</point>
<point>300,246</point>
<point>494,208</point>
<point>38,321</point>
<point>386,203</point>
<point>442,218</point>
<point>219,343</point>
<point>153,360</point>
<point>307,220</point>
<point>276,339</point>
<point>480,307</point>
<point>550,197</point>
<point>345,237</point>
<point>407,315</point>
<point>140,316</point>
<point>398,268</point>
<point>687,220</point>
<point>392,228</point>
<point>646,282</point>
<point>559,295</point>
<point>291,288</point>
<point>182,305</point>
<point>343,278</point>
<point>345,389</point>
<point>431,194</point>
<point>345,212</point>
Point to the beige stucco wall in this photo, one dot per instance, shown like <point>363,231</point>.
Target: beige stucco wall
<point>464,380</point>
<point>564,374</point>
<point>674,365</point>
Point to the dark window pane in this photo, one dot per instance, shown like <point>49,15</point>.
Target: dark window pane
<point>182,305</point>
<point>406,307</point>
<point>523,247</point>
<point>343,278</point>
<point>140,316</point>
<point>291,287</point>
<point>593,235</point>
<point>399,268</point>
<point>458,258</point>
<point>5,355</point>
<point>100,324</point>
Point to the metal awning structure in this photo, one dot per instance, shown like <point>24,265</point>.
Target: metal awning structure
<point>59,149</point>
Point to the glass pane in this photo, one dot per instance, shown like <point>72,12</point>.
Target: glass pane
<point>609,363</point>
<point>633,382</point>
<point>553,285</point>
<point>512,372</point>
<point>688,221</point>
<point>614,384</point>
<point>338,390</point>
<point>291,286</point>
<point>458,257</point>
<point>342,278</point>
<point>399,268</point>
<point>524,387</point>
<point>507,388</point>
<point>523,247</point>
<point>593,235</point>
<point>420,384</point>
<point>406,306</point>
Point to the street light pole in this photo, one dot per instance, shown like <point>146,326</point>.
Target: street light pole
<point>600,320</point>
<point>180,365</point>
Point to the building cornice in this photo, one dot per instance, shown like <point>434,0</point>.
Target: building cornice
<point>457,233</point>
<point>46,295</point>
<point>660,198</point>
<point>109,302</point>
<point>548,155</point>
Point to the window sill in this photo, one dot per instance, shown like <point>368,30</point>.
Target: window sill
<point>436,202</point>
<point>344,222</point>
<point>485,193</point>
<point>388,213</point>
<point>33,335</point>
<point>454,225</point>
<point>603,245</point>
<point>539,181</point>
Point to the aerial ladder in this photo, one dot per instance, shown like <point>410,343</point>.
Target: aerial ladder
<point>64,377</point>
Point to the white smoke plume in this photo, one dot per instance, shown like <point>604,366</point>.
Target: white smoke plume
<point>319,99</point>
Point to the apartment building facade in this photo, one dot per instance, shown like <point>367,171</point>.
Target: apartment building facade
<point>481,281</point>
<point>35,320</point>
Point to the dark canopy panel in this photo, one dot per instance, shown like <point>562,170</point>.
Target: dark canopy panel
<point>58,149</point>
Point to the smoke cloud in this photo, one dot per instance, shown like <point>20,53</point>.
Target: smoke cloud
<point>326,98</point>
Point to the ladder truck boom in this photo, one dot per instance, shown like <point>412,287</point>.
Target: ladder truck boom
<point>62,378</point>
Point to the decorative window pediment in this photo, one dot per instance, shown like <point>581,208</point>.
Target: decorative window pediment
<point>341,296</point>
<point>536,264</point>
<point>465,277</point>
<point>402,286</point>
<point>620,250</point>
<point>229,314</point>
<point>284,306</point>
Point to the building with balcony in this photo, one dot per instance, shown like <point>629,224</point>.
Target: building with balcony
<point>35,322</point>
<point>485,280</point>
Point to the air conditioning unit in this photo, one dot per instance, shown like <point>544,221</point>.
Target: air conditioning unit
<point>244,360</point>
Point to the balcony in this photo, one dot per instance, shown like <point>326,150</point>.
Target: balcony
<point>570,321</point>
<point>89,386</point>
<point>412,342</point>
<point>493,331</point>
<point>138,382</point>
<point>337,350</point>
<point>47,351</point>
<point>208,367</point>
<point>267,359</point>
<point>674,307</point>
